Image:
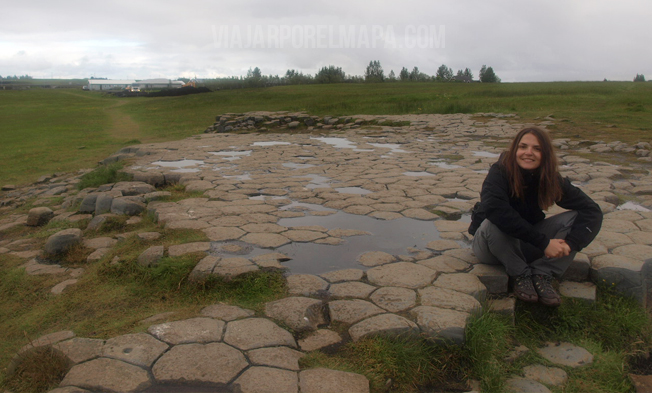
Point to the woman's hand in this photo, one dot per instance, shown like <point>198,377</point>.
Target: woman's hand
<point>557,248</point>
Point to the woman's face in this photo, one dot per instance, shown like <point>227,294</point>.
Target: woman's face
<point>528,154</point>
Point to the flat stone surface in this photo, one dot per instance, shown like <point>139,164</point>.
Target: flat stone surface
<point>139,349</point>
<point>579,290</point>
<point>79,349</point>
<point>384,324</point>
<point>215,363</point>
<point>350,289</point>
<point>266,380</point>
<point>401,274</point>
<point>642,383</point>
<point>281,357</point>
<point>449,299</point>
<point>299,313</point>
<point>306,284</point>
<point>100,242</point>
<point>60,287</point>
<point>445,264</point>
<point>494,277</point>
<point>151,256</point>
<point>233,267</point>
<point>352,311</point>
<point>441,324</point>
<point>551,376</point>
<point>319,339</point>
<point>524,385</point>
<point>343,275</point>
<point>451,226</point>
<point>194,330</point>
<point>375,258</point>
<point>635,251</point>
<point>107,375</point>
<point>181,249</point>
<point>226,312</point>
<point>566,354</point>
<point>321,380</point>
<point>463,282</point>
<point>220,234</point>
<point>48,339</point>
<point>394,299</point>
<point>265,240</point>
<point>252,333</point>
<point>443,245</point>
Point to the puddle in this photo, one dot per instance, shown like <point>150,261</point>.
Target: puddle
<point>444,165</point>
<point>392,237</point>
<point>393,147</point>
<point>231,155</point>
<point>238,177</point>
<point>263,197</point>
<point>271,143</point>
<point>341,143</point>
<point>179,163</point>
<point>632,206</point>
<point>297,166</point>
<point>418,174</point>
<point>317,181</point>
<point>353,190</point>
<point>485,154</point>
<point>186,170</point>
<point>305,157</point>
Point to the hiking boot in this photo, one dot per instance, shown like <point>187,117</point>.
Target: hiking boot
<point>547,294</point>
<point>524,288</point>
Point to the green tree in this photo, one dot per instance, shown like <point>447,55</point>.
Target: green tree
<point>487,75</point>
<point>444,74</point>
<point>391,76</point>
<point>374,72</point>
<point>404,75</point>
<point>254,78</point>
<point>330,74</point>
<point>467,72</point>
<point>639,78</point>
<point>417,76</point>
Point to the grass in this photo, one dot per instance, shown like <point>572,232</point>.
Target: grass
<point>52,130</point>
<point>103,174</point>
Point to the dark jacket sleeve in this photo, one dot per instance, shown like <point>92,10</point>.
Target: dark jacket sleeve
<point>495,197</point>
<point>589,216</point>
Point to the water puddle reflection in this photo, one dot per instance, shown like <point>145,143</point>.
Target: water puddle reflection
<point>179,163</point>
<point>232,155</point>
<point>353,190</point>
<point>418,174</point>
<point>485,154</point>
<point>632,206</point>
<point>341,143</point>
<point>271,143</point>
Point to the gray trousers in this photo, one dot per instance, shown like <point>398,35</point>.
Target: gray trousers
<point>493,246</point>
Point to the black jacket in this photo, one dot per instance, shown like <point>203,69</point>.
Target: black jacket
<point>516,217</point>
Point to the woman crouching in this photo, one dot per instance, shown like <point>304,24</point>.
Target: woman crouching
<point>509,225</point>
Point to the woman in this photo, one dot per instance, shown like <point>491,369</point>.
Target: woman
<point>510,228</point>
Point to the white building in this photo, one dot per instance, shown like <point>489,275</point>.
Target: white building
<point>116,84</point>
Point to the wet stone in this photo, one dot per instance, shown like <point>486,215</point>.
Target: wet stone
<point>463,282</point>
<point>394,299</point>
<point>551,376</point>
<point>352,311</point>
<point>319,339</point>
<point>107,375</point>
<point>194,330</point>
<point>215,363</point>
<point>321,380</point>
<point>566,354</point>
<point>299,313</point>
<point>306,285</point>
<point>343,275</point>
<point>252,333</point>
<point>401,274</point>
<point>139,349</point>
<point>281,357</point>
<point>524,385</point>
<point>375,258</point>
<point>441,324</point>
<point>384,324</point>
<point>266,380</point>
<point>351,289</point>
<point>449,299</point>
<point>79,349</point>
<point>226,312</point>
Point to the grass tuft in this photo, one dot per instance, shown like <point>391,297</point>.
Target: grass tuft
<point>104,174</point>
<point>38,370</point>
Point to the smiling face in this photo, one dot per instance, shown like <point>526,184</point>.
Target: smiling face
<point>528,154</point>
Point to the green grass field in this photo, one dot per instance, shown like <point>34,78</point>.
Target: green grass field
<point>52,130</point>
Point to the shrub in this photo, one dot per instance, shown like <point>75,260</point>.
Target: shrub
<point>104,174</point>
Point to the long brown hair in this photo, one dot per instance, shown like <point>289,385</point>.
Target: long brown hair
<point>549,178</point>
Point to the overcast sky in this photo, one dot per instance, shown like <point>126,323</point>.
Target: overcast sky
<point>523,40</point>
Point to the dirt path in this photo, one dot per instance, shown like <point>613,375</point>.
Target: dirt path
<point>122,125</point>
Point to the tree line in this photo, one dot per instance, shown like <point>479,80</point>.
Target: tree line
<point>374,73</point>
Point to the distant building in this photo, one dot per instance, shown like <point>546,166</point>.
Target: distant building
<point>115,84</point>
<point>462,78</point>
